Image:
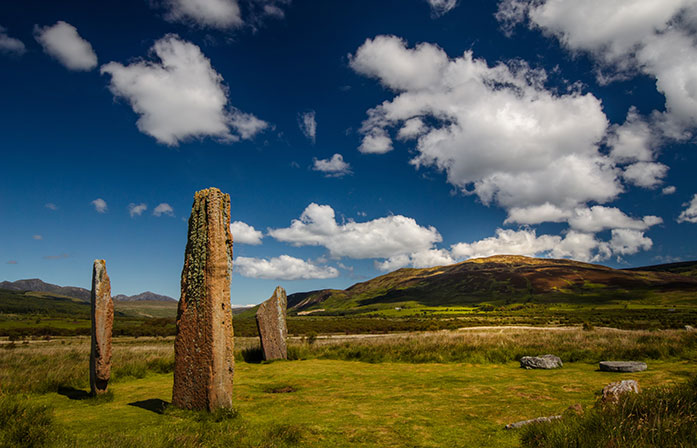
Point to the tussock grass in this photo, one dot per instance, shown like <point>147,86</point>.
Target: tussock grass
<point>658,417</point>
<point>42,367</point>
<point>24,424</point>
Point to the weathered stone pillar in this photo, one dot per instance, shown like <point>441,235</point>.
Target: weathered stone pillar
<point>203,348</point>
<point>271,322</point>
<point>102,325</point>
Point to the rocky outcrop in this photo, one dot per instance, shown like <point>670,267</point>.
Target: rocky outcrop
<point>622,366</point>
<point>271,322</point>
<point>102,325</point>
<point>203,347</point>
<point>613,391</point>
<point>541,362</point>
<point>517,425</point>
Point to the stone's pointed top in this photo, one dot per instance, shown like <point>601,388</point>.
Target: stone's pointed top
<point>271,323</point>
<point>208,191</point>
<point>279,292</point>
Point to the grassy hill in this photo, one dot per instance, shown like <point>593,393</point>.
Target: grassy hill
<point>687,268</point>
<point>500,281</point>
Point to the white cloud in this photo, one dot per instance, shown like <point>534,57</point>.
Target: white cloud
<point>284,267</point>
<point>496,131</point>
<point>380,238</point>
<point>162,209</point>
<point>136,209</point>
<point>629,242</point>
<point>38,237</point>
<point>599,218</point>
<point>100,205</point>
<point>51,206</point>
<point>440,7</point>
<point>690,212</point>
<point>668,190</point>
<point>332,167</point>
<point>626,37</point>
<point>308,125</point>
<point>645,174</point>
<point>180,96</point>
<point>632,141</point>
<point>10,44</point>
<point>423,259</point>
<point>245,234</point>
<point>219,14</point>
<point>62,42</point>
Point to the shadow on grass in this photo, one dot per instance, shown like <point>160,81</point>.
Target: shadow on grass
<point>153,405</point>
<point>73,394</point>
<point>253,355</point>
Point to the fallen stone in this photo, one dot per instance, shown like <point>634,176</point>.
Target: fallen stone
<point>203,346</point>
<point>613,391</point>
<point>622,366</point>
<point>689,328</point>
<point>102,325</point>
<point>541,362</point>
<point>517,425</point>
<point>271,322</point>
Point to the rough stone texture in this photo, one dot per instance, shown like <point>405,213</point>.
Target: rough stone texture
<point>517,425</point>
<point>203,347</point>
<point>689,328</point>
<point>622,366</point>
<point>271,322</point>
<point>612,392</point>
<point>541,362</point>
<point>102,325</point>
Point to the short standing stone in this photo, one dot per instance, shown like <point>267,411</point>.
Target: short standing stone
<point>541,362</point>
<point>102,325</point>
<point>622,366</point>
<point>689,328</point>
<point>271,322</point>
<point>613,391</point>
<point>203,347</point>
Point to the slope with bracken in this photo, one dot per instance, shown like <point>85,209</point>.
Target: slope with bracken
<point>502,279</point>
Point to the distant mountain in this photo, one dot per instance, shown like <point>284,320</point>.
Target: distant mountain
<point>499,280</point>
<point>147,295</point>
<point>34,284</point>
<point>83,294</point>
<point>688,268</point>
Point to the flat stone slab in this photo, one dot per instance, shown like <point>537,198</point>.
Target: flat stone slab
<point>622,366</point>
<point>517,425</point>
<point>541,362</point>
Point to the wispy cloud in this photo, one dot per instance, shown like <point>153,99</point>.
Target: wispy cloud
<point>62,42</point>
<point>100,205</point>
<point>51,206</point>
<point>38,237</point>
<point>162,209</point>
<point>332,167</point>
<point>12,262</point>
<point>56,257</point>
<point>136,209</point>
<point>10,44</point>
<point>308,124</point>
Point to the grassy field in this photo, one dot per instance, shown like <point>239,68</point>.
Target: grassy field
<point>455,389</point>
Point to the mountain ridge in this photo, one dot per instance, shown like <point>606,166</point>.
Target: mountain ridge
<point>35,284</point>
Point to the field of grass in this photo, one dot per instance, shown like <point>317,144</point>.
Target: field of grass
<point>455,389</point>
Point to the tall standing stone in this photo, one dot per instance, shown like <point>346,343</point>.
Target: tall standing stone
<point>102,325</point>
<point>271,322</point>
<point>203,347</point>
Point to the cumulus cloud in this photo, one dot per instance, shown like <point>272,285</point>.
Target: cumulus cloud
<point>180,96</point>
<point>626,37</point>
<point>332,167</point>
<point>284,267</point>
<point>380,238</point>
<point>62,42</point>
<point>669,190</point>
<point>585,219</point>
<point>10,45</point>
<point>245,234</point>
<point>440,7</point>
<point>494,130</point>
<point>308,125</point>
<point>100,205</point>
<point>136,209</point>
<point>690,212</point>
<point>162,209</point>
<point>645,174</point>
<point>629,242</point>
<point>205,13</point>
<point>423,259</point>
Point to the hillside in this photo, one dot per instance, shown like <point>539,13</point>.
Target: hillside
<point>688,268</point>
<point>500,280</point>
<point>35,284</point>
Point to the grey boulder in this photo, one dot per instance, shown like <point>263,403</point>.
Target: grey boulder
<point>541,362</point>
<point>622,366</point>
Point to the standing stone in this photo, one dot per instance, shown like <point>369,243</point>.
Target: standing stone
<point>203,348</point>
<point>102,324</point>
<point>271,322</point>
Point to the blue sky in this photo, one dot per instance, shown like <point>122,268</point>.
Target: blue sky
<point>354,138</point>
